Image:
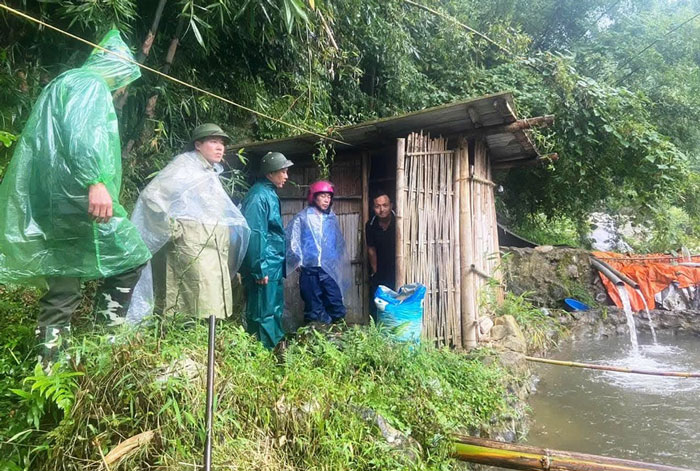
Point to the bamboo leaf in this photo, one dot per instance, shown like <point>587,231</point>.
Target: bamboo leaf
<point>288,18</point>
<point>196,32</point>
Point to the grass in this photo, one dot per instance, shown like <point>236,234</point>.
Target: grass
<point>541,331</point>
<point>304,410</point>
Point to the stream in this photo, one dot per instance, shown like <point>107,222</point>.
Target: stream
<point>646,418</point>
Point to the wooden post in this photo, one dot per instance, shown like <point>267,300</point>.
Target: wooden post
<point>400,205</point>
<point>466,242</point>
<point>456,234</point>
<point>363,238</point>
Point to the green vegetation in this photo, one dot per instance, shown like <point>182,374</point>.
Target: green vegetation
<point>541,330</point>
<point>621,77</point>
<point>308,409</point>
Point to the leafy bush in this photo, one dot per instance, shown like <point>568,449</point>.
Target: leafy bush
<point>305,410</point>
<point>541,330</point>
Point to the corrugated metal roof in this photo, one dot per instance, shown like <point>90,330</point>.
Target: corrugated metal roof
<point>449,120</point>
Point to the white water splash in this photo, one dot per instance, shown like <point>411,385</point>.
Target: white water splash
<point>651,321</point>
<point>627,307</point>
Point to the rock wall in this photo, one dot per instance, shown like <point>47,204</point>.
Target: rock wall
<point>550,274</point>
<point>611,321</point>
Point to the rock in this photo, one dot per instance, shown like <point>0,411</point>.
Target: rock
<point>515,343</point>
<point>403,443</point>
<point>544,248</point>
<point>185,368</point>
<point>485,325</point>
<point>513,361</point>
<point>508,335</point>
<point>572,271</point>
<point>548,274</point>
<point>498,332</point>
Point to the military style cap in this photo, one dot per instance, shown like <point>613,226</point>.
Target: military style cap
<point>273,161</point>
<point>208,130</point>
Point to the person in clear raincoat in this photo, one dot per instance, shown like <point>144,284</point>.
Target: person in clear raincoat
<point>315,244</point>
<point>60,217</point>
<point>198,237</point>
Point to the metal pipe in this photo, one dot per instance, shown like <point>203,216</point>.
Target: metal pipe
<point>619,274</point>
<point>610,275</point>
<point>210,393</point>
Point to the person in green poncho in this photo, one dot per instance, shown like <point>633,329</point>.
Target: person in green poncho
<point>263,268</point>
<point>60,217</point>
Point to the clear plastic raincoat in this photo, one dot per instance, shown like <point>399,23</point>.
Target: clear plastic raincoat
<point>198,238</point>
<point>70,142</point>
<point>314,239</point>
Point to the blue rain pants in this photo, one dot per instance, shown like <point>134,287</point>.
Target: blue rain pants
<point>323,301</point>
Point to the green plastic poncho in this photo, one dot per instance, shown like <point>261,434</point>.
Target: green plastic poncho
<point>70,142</point>
<point>265,257</point>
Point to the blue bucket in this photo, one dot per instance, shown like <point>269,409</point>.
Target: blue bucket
<point>574,305</point>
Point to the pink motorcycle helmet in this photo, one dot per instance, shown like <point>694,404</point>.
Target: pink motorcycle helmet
<point>321,186</point>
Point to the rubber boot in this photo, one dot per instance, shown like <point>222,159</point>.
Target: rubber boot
<point>51,341</point>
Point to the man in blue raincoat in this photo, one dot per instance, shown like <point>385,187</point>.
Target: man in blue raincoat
<point>263,268</point>
<point>316,245</point>
<point>60,217</point>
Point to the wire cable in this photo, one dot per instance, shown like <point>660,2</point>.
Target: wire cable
<point>169,77</point>
<point>641,51</point>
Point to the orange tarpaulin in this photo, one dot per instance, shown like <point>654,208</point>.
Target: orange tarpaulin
<point>653,272</point>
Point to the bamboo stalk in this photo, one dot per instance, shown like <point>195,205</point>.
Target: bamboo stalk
<point>144,50</point>
<point>456,260</point>
<point>466,251</point>
<point>363,235</point>
<point>400,207</point>
<point>573,364</point>
<point>508,455</point>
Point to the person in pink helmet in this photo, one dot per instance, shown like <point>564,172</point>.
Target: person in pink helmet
<point>315,244</point>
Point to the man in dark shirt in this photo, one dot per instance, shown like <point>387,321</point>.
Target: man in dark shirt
<point>380,233</point>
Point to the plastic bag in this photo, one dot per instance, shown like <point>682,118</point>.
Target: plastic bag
<point>402,311</point>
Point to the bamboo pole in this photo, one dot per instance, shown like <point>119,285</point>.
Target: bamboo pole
<point>145,49</point>
<point>468,314</point>
<point>508,455</point>
<point>363,236</point>
<point>400,207</point>
<point>573,364</point>
<point>456,261</point>
<point>495,246</point>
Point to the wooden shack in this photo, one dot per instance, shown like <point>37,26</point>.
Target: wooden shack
<point>437,163</point>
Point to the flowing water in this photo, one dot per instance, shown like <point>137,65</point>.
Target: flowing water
<point>624,296</point>
<point>651,321</point>
<point>647,418</point>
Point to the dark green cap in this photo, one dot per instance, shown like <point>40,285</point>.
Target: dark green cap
<point>273,161</point>
<point>208,130</point>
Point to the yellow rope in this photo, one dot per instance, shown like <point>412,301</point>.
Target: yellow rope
<point>168,77</point>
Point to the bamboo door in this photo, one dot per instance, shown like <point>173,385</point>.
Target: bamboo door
<point>427,231</point>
